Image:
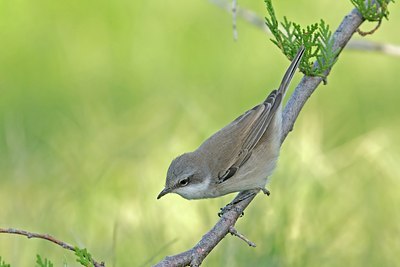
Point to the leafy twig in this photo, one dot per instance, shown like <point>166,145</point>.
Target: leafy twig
<point>84,257</point>
<point>43,263</point>
<point>373,10</point>
<point>365,45</point>
<point>3,263</point>
<point>48,238</point>
<point>316,38</point>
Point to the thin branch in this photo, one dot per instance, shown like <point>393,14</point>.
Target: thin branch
<point>40,236</point>
<point>303,91</point>
<point>257,21</point>
<point>373,46</point>
<point>363,33</point>
<point>245,14</point>
<point>233,231</point>
<point>234,19</point>
<point>195,256</point>
<point>45,237</point>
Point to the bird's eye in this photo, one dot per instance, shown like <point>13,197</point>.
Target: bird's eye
<point>184,182</point>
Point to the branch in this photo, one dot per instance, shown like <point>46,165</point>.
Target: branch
<point>257,21</point>
<point>303,91</point>
<point>195,256</point>
<point>388,49</point>
<point>246,14</point>
<point>234,19</point>
<point>45,237</point>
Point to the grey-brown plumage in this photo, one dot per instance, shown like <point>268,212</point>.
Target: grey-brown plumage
<point>238,157</point>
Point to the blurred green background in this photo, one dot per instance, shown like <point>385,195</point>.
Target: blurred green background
<point>97,97</point>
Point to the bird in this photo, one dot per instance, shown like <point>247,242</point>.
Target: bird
<point>241,156</point>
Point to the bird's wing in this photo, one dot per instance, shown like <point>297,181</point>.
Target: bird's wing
<point>250,129</point>
<point>229,148</point>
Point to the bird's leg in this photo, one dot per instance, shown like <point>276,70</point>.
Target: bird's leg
<point>240,197</point>
<point>244,195</point>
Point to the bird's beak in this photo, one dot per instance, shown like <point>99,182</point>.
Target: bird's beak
<point>164,192</point>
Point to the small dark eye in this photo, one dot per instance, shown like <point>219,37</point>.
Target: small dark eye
<point>184,182</point>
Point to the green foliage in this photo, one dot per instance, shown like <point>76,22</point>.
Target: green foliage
<point>43,263</point>
<point>373,10</point>
<point>84,257</point>
<point>316,38</point>
<point>3,264</point>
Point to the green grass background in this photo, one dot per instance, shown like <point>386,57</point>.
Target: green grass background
<point>97,97</point>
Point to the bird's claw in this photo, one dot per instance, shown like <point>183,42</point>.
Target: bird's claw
<point>229,207</point>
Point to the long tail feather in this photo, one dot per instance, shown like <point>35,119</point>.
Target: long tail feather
<point>290,72</point>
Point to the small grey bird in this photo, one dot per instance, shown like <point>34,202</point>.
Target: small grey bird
<point>238,157</point>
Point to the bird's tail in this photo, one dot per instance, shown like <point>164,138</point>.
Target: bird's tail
<point>290,72</point>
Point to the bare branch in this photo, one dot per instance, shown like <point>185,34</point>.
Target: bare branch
<point>365,33</point>
<point>40,236</point>
<point>45,237</point>
<point>245,14</point>
<point>257,21</point>
<point>388,49</point>
<point>234,19</point>
<point>303,91</point>
<point>234,232</point>
<point>195,256</point>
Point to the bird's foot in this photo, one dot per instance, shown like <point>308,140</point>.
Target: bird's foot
<point>229,207</point>
<point>240,197</point>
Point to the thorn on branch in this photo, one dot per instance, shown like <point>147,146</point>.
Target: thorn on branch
<point>234,232</point>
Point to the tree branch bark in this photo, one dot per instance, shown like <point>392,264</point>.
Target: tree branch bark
<point>196,255</point>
